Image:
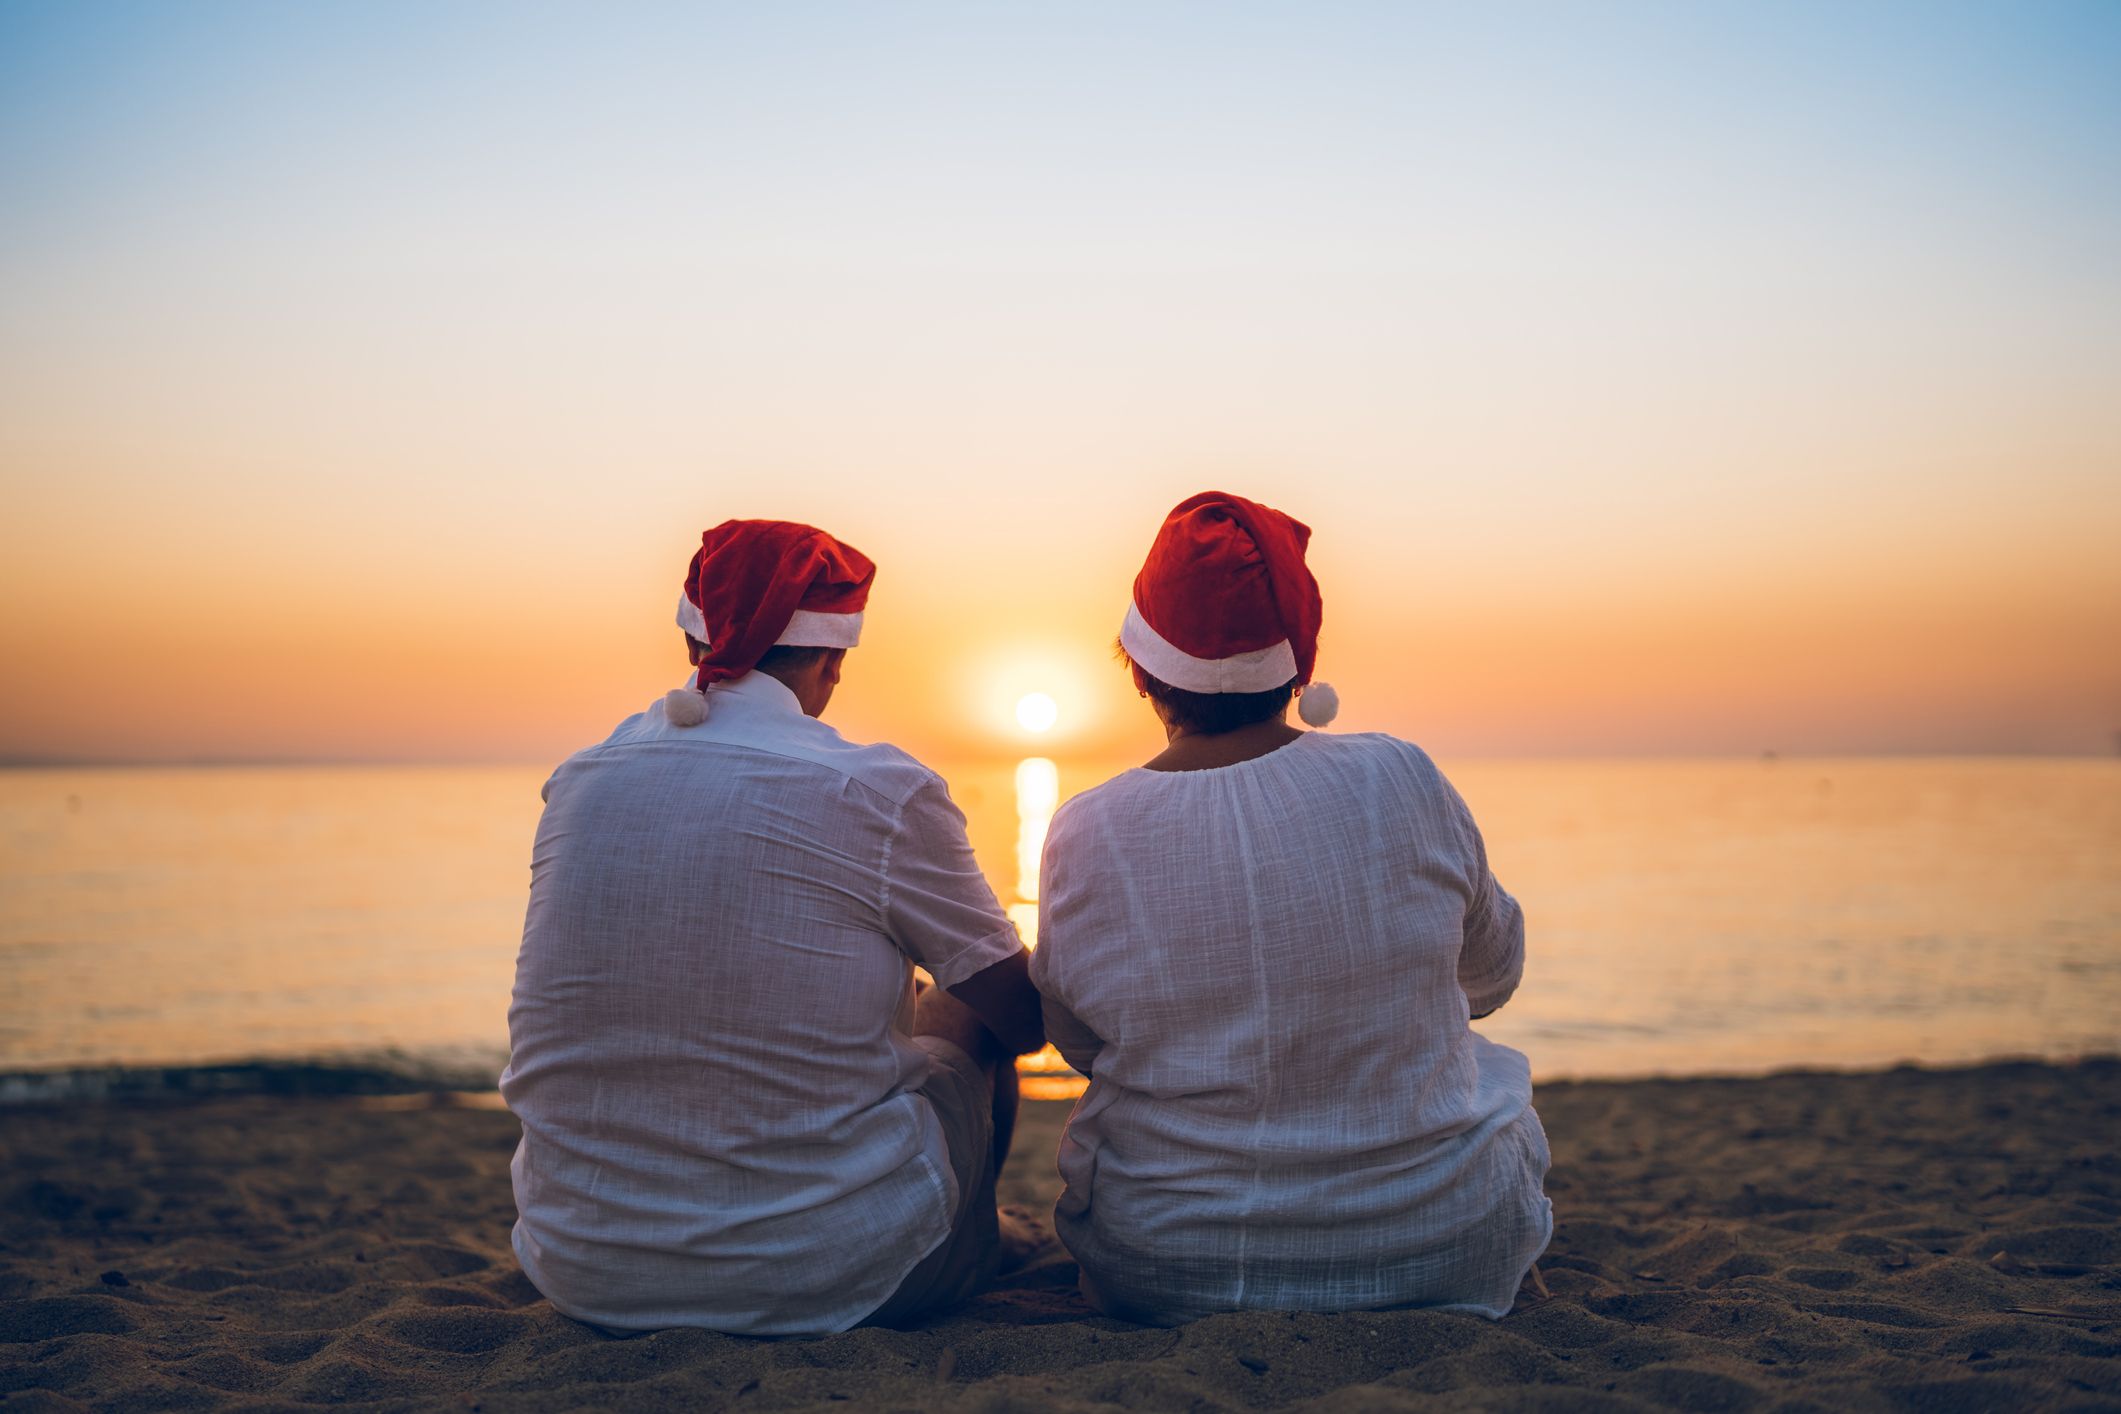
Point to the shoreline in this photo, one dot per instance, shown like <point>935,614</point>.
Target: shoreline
<point>456,1081</point>
<point>1908,1238</point>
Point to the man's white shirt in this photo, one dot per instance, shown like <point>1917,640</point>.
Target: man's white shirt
<point>709,1048</point>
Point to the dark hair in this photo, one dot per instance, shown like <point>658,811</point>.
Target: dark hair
<point>785,656</point>
<point>794,658</point>
<point>1212,713</point>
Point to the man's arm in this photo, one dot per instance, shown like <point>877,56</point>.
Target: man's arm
<point>1006,1004</point>
<point>940,910</point>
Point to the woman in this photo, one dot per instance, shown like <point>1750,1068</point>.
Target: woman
<point>1263,949</point>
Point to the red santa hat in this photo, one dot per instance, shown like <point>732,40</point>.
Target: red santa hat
<point>1225,603</point>
<point>760,584</point>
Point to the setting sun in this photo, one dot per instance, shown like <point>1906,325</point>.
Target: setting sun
<point>1037,712</point>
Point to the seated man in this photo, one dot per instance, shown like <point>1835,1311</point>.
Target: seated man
<point>1263,950</point>
<point>735,1113</point>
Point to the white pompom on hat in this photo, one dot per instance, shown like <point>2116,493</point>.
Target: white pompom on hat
<point>1225,603</point>
<point>1318,704</point>
<point>685,706</point>
<point>754,585</point>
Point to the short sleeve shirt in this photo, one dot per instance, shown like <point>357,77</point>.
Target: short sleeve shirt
<point>709,1032</point>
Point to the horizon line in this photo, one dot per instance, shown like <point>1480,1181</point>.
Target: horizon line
<point>26,762</point>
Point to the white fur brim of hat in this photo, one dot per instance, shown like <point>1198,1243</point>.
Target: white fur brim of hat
<point>807,628</point>
<point>1261,670</point>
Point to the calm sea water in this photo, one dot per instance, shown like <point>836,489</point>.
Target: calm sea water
<point>1684,917</point>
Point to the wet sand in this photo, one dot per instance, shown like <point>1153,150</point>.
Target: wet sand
<point>1905,1240</point>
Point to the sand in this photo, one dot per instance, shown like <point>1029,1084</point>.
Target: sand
<point>1909,1240</point>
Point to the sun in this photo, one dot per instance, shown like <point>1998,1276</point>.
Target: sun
<point>1036,712</point>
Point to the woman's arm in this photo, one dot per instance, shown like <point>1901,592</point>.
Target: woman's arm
<point>1491,959</point>
<point>1077,1043</point>
<point>1491,953</point>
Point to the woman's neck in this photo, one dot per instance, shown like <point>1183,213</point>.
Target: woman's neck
<point>1192,751</point>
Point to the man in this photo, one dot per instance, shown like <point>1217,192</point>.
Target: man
<point>736,1114</point>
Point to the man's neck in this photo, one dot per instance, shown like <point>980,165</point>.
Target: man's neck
<point>810,694</point>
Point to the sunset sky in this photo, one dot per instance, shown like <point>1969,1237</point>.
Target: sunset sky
<point>1655,379</point>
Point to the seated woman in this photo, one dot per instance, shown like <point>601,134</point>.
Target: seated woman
<point>1263,949</point>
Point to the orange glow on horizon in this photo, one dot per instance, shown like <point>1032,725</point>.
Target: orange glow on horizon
<point>249,661</point>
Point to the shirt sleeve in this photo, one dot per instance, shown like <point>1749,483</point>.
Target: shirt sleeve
<point>938,907</point>
<point>1077,1043</point>
<point>1491,958</point>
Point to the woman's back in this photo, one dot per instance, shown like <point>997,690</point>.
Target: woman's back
<point>1267,969</point>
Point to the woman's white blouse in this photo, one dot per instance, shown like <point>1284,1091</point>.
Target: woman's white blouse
<point>1267,970</point>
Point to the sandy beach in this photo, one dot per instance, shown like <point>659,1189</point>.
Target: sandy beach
<point>1904,1240</point>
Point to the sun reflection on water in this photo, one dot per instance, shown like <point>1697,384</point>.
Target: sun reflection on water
<point>1037,793</point>
<point>1043,1075</point>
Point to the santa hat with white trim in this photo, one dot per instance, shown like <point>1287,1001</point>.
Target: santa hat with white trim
<point>1225,603</point>
<point>754,585</point>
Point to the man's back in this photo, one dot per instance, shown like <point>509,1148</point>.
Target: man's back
<point>708,1029</point>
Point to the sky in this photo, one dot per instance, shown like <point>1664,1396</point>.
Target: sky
<point>1656,379</point>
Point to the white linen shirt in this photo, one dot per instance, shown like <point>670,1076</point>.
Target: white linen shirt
<point>1266,970</point>
<point>709,1049</point>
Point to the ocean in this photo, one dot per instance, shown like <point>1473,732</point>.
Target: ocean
<point>1683,917</point>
